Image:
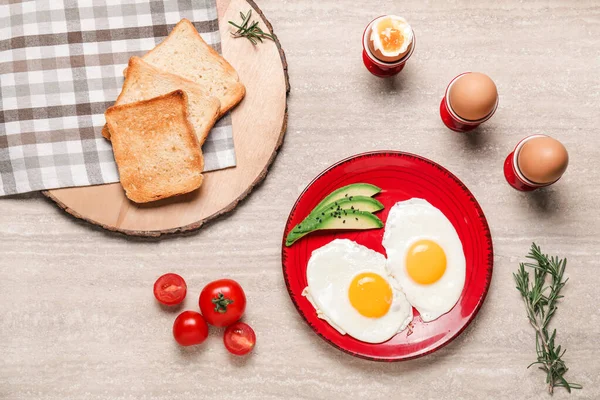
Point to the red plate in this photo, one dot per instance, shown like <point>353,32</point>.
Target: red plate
<point>401,176</point>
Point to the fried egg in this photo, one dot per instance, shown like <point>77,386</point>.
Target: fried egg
<point>425,255</point>
<point>350,288</point>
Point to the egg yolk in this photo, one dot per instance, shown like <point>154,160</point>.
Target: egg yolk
<point>390,36</point>
<point>425,262</point>
<point>370,294</point>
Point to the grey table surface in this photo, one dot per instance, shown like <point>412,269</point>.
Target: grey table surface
<point>77,315</point>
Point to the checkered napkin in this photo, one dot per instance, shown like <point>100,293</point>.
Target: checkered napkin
<point>61,66</point>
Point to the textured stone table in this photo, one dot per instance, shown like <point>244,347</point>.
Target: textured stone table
<point>77,316</point>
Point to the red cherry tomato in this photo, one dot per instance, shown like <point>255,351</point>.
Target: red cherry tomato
<point>239,338</point>
<point>190,328</point>
<point>170,289</point>
<point>222,302</point>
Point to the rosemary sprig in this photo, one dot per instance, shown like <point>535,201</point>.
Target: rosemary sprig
<point>540,298</point>
<point>249,30</point>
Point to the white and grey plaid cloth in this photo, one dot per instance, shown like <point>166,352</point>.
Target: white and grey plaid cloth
<point>61,66</point>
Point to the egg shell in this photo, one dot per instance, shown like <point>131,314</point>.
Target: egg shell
<point>473,96</point>
<point>543,159</point>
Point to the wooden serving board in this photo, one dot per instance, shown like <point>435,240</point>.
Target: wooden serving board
<point>259,124</point>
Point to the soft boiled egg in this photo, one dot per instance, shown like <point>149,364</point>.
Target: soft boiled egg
<point>426,257</point>
<point>350,288</point>
<point>390,39</point>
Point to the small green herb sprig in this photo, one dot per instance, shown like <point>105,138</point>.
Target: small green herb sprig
<point>249,30</point>
<point>540,298</point>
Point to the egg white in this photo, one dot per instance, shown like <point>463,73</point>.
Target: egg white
<point>329,273</point>
<point>412,220</point>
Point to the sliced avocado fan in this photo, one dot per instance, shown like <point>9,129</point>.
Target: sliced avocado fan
<point>353,221</point>
<point>349,207</point>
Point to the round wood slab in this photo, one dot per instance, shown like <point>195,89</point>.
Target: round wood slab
<point>259,124</point>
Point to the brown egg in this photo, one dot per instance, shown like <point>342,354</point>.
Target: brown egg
<point>543,159</point>
<point>473,96</point>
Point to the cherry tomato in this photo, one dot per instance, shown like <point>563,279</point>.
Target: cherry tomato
<point>222,302</point>
<point>170,289</point>
<point>239,338</point>
<point>190,328</point>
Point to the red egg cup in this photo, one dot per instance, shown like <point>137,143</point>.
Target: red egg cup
<point>513,175</point>
<point>380,68</point>
<point>452,120</point>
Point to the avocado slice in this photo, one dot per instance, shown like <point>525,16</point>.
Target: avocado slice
<point>352,220</point>
<point>355,189</point>
<point>359,203</point>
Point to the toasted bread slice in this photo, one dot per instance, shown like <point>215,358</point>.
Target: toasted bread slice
<point>185,53</point>
<point>143,82</point>
<point>156,149</point>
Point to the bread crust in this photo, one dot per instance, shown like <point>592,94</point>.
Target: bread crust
<point>157,152</point>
